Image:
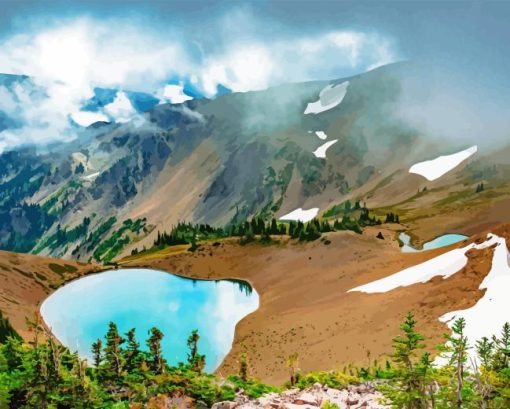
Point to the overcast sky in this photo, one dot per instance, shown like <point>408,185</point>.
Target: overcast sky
<point>141,45</point>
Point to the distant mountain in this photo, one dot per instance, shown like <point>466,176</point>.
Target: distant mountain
<point>222,161</point>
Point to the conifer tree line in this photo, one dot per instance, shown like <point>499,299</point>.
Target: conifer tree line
<point>247,231</point>
<point>43,374</point>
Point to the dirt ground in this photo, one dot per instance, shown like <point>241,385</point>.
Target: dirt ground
<point>304,304</point>
<point>26,280</point>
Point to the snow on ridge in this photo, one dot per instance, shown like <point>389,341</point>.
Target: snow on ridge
<point>91,176</point>
<point>444,265</point>
<point>487,316</point>
<point>435,168</point>
<point>321,135</point>
<point>320,152</point>
<point>329,97</point>
<point>301,215</point>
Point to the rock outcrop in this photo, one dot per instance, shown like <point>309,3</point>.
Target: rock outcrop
<point>352,397</point>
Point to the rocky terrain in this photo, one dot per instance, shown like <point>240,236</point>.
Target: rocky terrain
<point>354,396</point>
<point>241,155</point>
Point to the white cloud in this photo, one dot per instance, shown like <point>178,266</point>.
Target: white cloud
<point>174,93</point>
<point>120,110</point>
<point>70,59</point>
<point>86,118</point>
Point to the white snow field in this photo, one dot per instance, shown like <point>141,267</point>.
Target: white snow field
<point>320,152</point>
<point>487,316</point>
<point>329,97</point>
<point>435,168</point>
<point>444,265</point>
<point>321,135</point>
<point>301,215</point>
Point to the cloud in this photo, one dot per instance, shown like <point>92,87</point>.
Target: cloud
<point>120,110</point>
<point>86,118</point>
<point>174,94</point>
<point>68,59</point>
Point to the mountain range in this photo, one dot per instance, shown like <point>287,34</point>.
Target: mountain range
<point>225,160</point>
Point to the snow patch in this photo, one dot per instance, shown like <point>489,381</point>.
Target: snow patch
<point>301,215</point>
<point>87,118</point>
<point>322,135</point>
<point>329,97</point>
<point>444,265</point>
<point>320,152</point>
<point>487,316</point>
<point>435,168</point>
<point>92,176</point>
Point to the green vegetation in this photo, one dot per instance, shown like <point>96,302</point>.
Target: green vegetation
<point>480,187</point>
<point>6,330</point>
<point>62,269</point>
<point>257,228</point>
<point>43,374</point>
<point>63,236</point>
<point>108,249</point>
<point>105,248</point>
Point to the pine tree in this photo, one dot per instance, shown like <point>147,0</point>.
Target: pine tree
<point>195,360</point>
<point>457,346</point>
<point>97,352</point>
<point>410,386</point>
<point>157,363</point>
<point>113,351</point>
<point>132,352</point>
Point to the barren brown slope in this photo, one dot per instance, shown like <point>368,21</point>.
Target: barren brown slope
<point>304,304</point>
<point>26,280</point>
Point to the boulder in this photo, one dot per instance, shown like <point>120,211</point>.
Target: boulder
<point>224,405</point>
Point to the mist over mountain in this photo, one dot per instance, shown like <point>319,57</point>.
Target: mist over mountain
<point>225,160</point>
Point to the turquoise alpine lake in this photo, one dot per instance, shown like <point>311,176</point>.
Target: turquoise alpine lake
<point>441,241</point>
<point>79,312</point>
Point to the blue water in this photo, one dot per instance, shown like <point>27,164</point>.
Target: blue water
<point>79,312</point>
<point>442,241</point>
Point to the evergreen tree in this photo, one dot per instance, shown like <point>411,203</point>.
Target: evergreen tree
<point>157,363</point>
<point>132,352</point>
<point>409,389</point>
<point>195,360</point>
<point>113,352</point>
<point>97,352</point>
<point>456,348</point>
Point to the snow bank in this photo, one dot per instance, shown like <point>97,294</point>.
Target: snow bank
<point>329,97</point>
<point>91,176</point>
<point>435,168</point>
<point>322,135</point>
<point>444,265</point>
<point>487,316</point>
<point>320,152</point>
<point>302,215</point>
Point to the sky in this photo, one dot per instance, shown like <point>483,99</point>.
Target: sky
<point>71,47</point>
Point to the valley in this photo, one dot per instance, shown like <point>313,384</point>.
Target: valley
<point>304,304</point>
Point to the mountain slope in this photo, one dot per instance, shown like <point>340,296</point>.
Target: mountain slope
<point>220,161</point>
<point>305,303</point>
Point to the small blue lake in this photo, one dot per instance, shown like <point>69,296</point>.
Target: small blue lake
<point>79,312</point>
<point>438,242</point>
